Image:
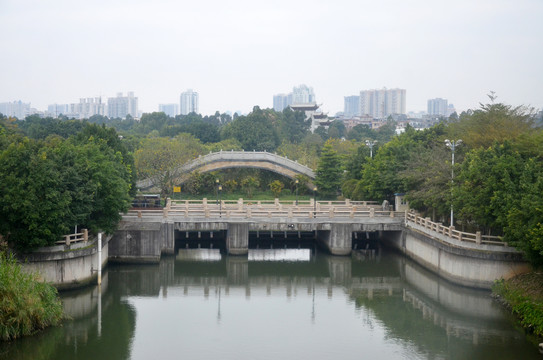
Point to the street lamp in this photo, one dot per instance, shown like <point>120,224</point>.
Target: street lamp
<point>217,190</point>
<point>452,145</point>
<point>371,144</point>
<point>315,202</point>
<point>296,182</point>
<point>220,202</point>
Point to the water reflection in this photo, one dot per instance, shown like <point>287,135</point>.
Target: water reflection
<point>277,304</point>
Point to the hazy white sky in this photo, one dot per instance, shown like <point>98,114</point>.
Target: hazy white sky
<point>239,53</point>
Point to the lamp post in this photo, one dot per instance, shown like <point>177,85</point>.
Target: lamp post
<point>217,190</point>
<point>371,143</point>
<point>452,144</point>
<point>296,182</point>
<point>220,201</point>
<point>315,202</point>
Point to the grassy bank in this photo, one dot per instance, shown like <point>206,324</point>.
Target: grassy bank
<point>523,294</point>
<point>26,304</point>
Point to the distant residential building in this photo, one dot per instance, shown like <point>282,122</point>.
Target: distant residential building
<point>54,110</point>
<point>302,94</point>
<point>121,106</point>
<point>280,102</point>
<point>189,102</point>
<point>351,107</point>
<point>17,109</point>
<point>383,102</point>
<point>172,110</point>
<point>438,107</point>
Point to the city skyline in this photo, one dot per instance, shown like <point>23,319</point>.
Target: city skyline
<point>239,54</point>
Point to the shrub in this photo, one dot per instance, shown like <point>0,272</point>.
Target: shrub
<point>26,304</point>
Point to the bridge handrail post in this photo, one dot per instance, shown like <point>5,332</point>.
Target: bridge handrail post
<point>249,214</point>
<point>372,212</point>
<point>451,229</point>
<point>165,212</point>
<point>85,235</point>
<point>331,212</point>
<point>240,204</point>
<point>478,237</point>
<point>289,212</point>
<point>67,239</point>
<point>348,202</point>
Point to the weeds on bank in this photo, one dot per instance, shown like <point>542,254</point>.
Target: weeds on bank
<point>523,296</point>
<point>26,304</point>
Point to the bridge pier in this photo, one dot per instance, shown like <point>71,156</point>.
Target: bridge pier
<point>337,240</point>
<point>237,238</point>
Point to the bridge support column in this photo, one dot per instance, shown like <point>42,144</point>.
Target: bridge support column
<point>237,239</point>
<point>168,238</point>
<point>337,240</point>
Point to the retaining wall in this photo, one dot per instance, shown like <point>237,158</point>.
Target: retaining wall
<point>67,266</point>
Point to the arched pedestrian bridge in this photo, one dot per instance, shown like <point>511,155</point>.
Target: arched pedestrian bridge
<point>238,159</point>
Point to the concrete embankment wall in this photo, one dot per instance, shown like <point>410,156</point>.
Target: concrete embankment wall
<point>67,266</point>
<point>469,265</point>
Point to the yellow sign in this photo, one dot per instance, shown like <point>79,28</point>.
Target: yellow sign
<point>176,189</point>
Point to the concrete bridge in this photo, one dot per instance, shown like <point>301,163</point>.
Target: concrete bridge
<point>146,234</point>
<point>463,258</point>
<point>238,159</point>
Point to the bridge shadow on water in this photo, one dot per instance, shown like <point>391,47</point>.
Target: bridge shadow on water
<point>368,241</point>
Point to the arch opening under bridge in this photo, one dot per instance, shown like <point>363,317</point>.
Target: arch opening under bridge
<point>238,159</point>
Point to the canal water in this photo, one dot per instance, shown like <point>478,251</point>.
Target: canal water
<point>277,304</point>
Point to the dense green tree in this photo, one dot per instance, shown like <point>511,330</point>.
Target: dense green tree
<point>293,126</point>
<point>495,122</point>
<point>524,222</point>
<point>361,132</point>
<point>160,159</point>
<point>254,131</point>
<point>329,174</point>
<point>49,186</point>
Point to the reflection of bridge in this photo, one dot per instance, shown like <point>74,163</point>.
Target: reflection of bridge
<point>239,159</point>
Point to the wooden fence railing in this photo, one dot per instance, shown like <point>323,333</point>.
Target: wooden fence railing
<point>451,232</point>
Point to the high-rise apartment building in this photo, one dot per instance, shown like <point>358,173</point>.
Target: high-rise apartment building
<point>303,95</point>
<point>188,102</point>
<point>300,95</point>
<point>169,109</point>
<point>352,106</point>
<point>121,106</point>
<point>281,101</point>
<point>17,109</point>
<point>383,102</point>
<point>438,107</point>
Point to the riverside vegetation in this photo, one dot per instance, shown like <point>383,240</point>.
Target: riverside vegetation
<point>27,305</point>
<point>523,294</point>
<point>89,171</point>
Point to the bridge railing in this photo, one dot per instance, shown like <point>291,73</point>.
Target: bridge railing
<point>451,232</point>
<point>271,209</point>
<point>74,238</point>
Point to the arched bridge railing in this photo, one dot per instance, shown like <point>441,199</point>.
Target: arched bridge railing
<point>241,159</point>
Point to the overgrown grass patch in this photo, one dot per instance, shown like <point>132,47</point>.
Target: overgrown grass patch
<point>524,295</point>
<point>26,304</point>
